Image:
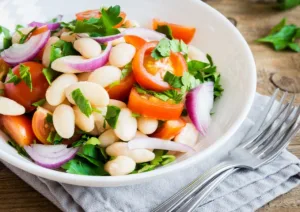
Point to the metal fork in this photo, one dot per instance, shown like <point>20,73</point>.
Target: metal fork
<point>263,144</point>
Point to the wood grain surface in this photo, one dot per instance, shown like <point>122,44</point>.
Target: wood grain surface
<point>254,18</point>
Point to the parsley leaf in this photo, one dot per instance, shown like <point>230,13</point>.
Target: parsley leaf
<point>26,76</point>
<point>126,71</point>
<point>25,36</point>
<point>110,18</point>
<point>83,104</point>
<point>61,49</point>
<point>49,118</point>
<point>112,115</point>
<point>54,138</point>
<point>288,4</point>
<point>136,115</point>
<point>165,46</point>
<point>173,80</point>
<point>6,38</point>
<point>165,29</point>
<point>81,166</point>
<point>20,150</point>
<point>1,92</point>
<point>164,96</point>
<point>283,36</point>
<point>39,103</point>
<point>114,84</point>
<point>12,77</point>
<point>50,74</point>
<point>84,138</point>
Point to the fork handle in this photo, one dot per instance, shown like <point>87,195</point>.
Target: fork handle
<point>205,191</point>
<point>188,191</point>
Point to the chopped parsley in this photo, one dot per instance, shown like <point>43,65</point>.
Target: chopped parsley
<point>12,77</point>
<point>164,96</point>
<point>136,115</point>
<point>103,26</point>
<point>6,38</point>
<point>20,150</point>
<point>50,74</point>
<point>126,71</point>
<point>83,139</point>
<point>287,4</point>
<point>198,72</point>
<point>54,138</point>
<point>83,104</point>
<point>39,103</point>
<point>161,159</point>
<point>61,49</point>
<point>165,29</point>
<point>112,115</point>
<point>49,118</point>
<point>283,36</point>
<point>25,36</point>
<point>26,76</point>
<point>166,46</point>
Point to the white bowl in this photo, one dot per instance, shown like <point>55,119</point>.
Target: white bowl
<point>215,35</point>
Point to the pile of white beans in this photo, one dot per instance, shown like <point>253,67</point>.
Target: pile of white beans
<point>67,116</point>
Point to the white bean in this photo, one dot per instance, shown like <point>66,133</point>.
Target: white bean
<point>83,76</point>
<point>94,132</point>
<point>147,125</point>
<point>93,92</point>
<point>126,125</point>
<point>121,54</point>
<point>196,54</point>
<point>64,121</point>
<point>118,41</point>
<point>140,135</point>
<point>121,165</point>
<point>55,94</point>
<point>107,138</point>
<point>87,47</point>
<point>188,135</point>
<point>47,51</point>
<point>10,107</point>
<point>68,36</point>
<point>99,120</point>
<point>16,36</point>
<point>117,103</point>
<point>105,75</point>
<point>82,121</point>
<point>138,155</point>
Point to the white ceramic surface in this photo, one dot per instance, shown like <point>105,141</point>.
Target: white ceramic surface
<point>215,35</point>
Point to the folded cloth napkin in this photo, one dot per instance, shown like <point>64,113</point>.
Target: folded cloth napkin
<point>242,191</point>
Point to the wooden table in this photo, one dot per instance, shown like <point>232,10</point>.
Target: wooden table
<point>254,20</point>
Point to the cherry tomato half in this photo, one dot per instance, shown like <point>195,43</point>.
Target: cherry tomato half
<point>169,129</point>
<point>149,72</point>
<point>21,92</point>
<point>18,128</point>
<point>152,107</point>
<point>180,32</point>
<point>40,126</point>
<point>121,91</point>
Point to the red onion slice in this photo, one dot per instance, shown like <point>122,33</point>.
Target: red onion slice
<point>102,39</point>
<point>50,156</point>
<point>51,26</point>
<point>146,34</point>
<point>199,103</point>
<point>77,64</point>
<point>19,53</point>
<point>156,143</point>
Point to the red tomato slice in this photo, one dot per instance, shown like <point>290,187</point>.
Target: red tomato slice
<point>21,92</point>
<point>121,91</point>
<point>86,15</point>
<point>19,129</point>
<point>40,126</point>
<point>179,32</point>
<point>153,107</point>
<point>136,41</point>
<point>169,129</point>
<point>149,72</point>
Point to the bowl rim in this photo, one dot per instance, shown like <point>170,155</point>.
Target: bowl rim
<point>108,181</point>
